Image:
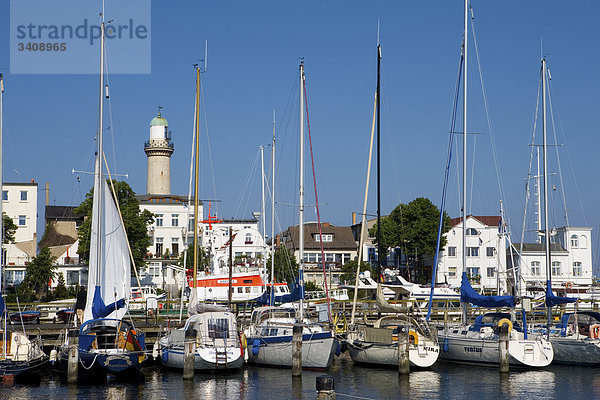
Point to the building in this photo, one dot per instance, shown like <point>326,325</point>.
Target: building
<point>486,254</point>
<point>570,258</point>
<point>339,247</point>
<point>60,236</point>
<point>159,149</point>
<point>19,202</point>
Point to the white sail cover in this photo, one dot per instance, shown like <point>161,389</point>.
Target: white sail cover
<point>112,273</point>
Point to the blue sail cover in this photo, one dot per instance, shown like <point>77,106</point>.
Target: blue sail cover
<point>469,295</point>
<point>552,300</point>
<point>99,309</point>
<point>295,295</point>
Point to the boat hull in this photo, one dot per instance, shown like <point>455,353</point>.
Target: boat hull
<point>318,350</point>
<point>461,348</point>
<point>422,355</point>
<point>576,351</point>
<point>16,368</point>
<point>205,358</point>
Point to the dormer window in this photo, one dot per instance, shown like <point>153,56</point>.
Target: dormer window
<point>248,238</point>
<point>327,237</point>
<point>472,232</point>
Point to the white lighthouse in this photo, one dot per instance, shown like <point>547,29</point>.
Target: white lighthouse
<point>159,149</point>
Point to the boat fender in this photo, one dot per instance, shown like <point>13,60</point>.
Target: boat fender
<point>164,355</point>
<point>595,331</point>
<point>243,341</point>
<point>338,349</point>
<point>53,356</point>
<point>255,346</point>
<point>445,346</point>
<point>506,321</point>
<point>413,337</point>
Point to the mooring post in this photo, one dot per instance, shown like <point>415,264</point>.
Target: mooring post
<point>503,347</point>
<point>403,343</point>
<point>189,351</point>
<point>297,350</point>
<point>325,389</point>
<point>73,359</point>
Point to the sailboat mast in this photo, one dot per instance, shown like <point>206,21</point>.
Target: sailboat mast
<point>196,169</point>
<point>464,160</point>
<point>301,196</point>
<point>100,156</point>
<point>2,217</point>
<point>378,96</point>
<point>272,297</point>
<point>545,164</point>
<point>262,209</point>
<point>537,198</point>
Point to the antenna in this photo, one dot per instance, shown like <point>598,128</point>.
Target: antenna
<point>377,31</point>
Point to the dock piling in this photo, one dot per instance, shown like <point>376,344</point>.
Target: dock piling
<point>325,387</point>
<point>297,350</point>
<point>403,343</point>
<point>189,354</point>
<point>73,359</point>
<point>503,347</point>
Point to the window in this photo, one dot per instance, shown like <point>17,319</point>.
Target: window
<point>5,195</point>
<point>577,268</point>
<point>556,268</point>
<point>452,271</point>
<point>473,272</point>
<point>174,219</point>
<point>535,268</point>
<point>574,241</point>
<point>22,220</point>
<point>175,246</point>
<point>159,246</point>
<point>218,328</point>
<point>191,225</point>
<point>472,232</point>
<point>23,195</point>
<point>582,242</point>
<point>452,251</point>
<point>154,271</point>
<point>472,251</point>
<point>327,237</point>
<point>346,257</point>
<point>248,238</point>
<point>491,272</point>
<point>329,257</point>
<point>159,220</point>
<point>72,277</point>
<point>489,251</point>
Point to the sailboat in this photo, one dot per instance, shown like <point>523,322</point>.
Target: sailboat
<point>478,343</point>
<point>270,333</point>
<point>214,329</point>
<point>379,344</point>
<point>18,354</point>
<point>576,339</point>
<point>108,344</point>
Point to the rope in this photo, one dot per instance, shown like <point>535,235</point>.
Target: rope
<point>353,397</point>
<point>312,161</point>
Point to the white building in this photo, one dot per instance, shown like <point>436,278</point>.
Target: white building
<point>486,254</point>
<point>19,202</point>
<point>570,258</point>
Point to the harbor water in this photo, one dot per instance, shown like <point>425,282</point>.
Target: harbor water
<point>444,381</point>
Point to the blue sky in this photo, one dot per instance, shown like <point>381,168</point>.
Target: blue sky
<point>254,50</point>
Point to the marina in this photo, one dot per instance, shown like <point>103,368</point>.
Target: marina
<point>470,286</point>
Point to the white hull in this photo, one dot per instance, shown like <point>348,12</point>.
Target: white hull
<point>317,353</point>
<point>422,355</point>
<point>478,348</point>
<point>205,358</point>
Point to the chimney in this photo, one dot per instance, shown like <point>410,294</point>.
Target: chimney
<point>353,217</point>
<point>325,224</point>
<point>47,194</point>
<point>277,240</point>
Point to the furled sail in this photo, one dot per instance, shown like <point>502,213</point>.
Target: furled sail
<point>469,295</point>
<point>109,275</point>
<point>553,300</point>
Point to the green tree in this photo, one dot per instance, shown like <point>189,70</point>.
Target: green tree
<point>40,271</point>
<point>349,271</point>
<point>413,227</point>
<point>203,258</point>
<point>61,291</point>
<point>9,229</point>
<point>136,223</point>
<point>285,265</point>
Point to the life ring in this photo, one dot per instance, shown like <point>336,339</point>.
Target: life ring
<point>569,285</point>
<point>413,337</point>
<point>506,321</point>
